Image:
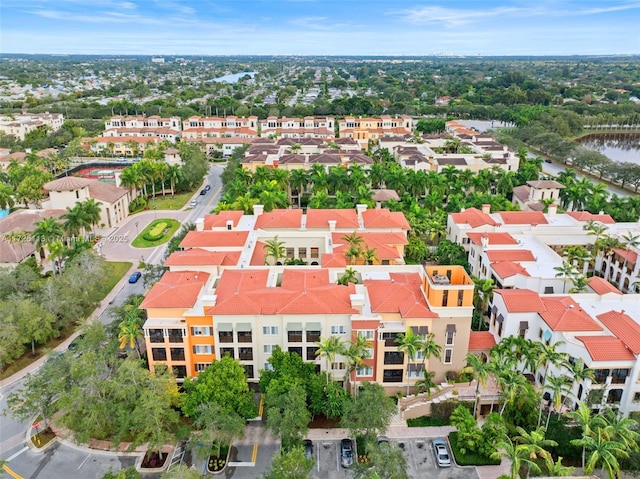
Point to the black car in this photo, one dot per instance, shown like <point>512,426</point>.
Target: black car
<point>346,453</point>
<point>308,448</point>
<point>203,192</point>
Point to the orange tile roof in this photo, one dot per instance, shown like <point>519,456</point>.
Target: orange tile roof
<point>383,218</point>
<point>602,286</point>
<point>521,300</point>
<point>211,239</point>
<point>523,218</point>
<point>333,260</point>
<point>220,220</point>
<point>510,255</point>
<point>624,327</point>
<point>383,243</point>
<point>202,257</point>
<point>586,216</point>
<point>259,254</point>
<point>606,348</point>
<point>176,289</point>
<point>320,218</point>
<point>279,219</point>
<point>473,217</point>
<point>242,292</point>
<point>397,296</point>
<point>507,269</point>
<point>494,238</point>
<point>629,255</point>
<point>481,341</point>
<point>564,314</point>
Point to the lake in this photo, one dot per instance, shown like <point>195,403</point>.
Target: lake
<point>233,78</point>
<point>616,147</point>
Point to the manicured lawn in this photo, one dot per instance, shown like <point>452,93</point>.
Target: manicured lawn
<point>169,203</point>
<point>114,271</point>
<point>141,242</point>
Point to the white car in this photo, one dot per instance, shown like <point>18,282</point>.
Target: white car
<point>442,453</point>
<point>194,203</point>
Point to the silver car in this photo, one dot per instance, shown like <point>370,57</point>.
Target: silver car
<point>442,453</point>
<point>346,453</point>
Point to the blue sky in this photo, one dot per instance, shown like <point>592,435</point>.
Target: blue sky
<point>321,27</point>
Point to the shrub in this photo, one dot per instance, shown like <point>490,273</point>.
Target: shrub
<point>156,233</point>
<point>426,421</point>
<point>471,458</point>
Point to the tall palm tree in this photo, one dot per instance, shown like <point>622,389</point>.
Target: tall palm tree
<point>426,383</point>
<point>174,173</point>
<point>91,211</point>
<point>559,386</point>
<point>588,423</point>
<point>430,349</point>
<point>483,293</point>
<point>410,344</point>
<point>356,352</point>
<point>629,240</point>
<point>518,455</point>
<point>298,180</point>
<point>604,452</point>
<point>6,196</point>
<point>480,370</point>
<point>566,271</point>
<point>56,253</point>
<point>130,331</point>
<point>275,249</point>
<point>75,220</point>
<point>328,348</point>
<point>47,231</point>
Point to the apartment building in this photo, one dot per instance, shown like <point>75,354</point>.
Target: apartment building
<point>120,145</point>
<point>231,296</point>
<point>168,129</point>
<point>522,249</point>
<point>197,127</point>
<point>364,130</point>
<point>19,125</point>
<point>600,328</point>
<point>307,127</point>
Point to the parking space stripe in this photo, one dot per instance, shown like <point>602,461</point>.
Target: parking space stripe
<point>254,456</point>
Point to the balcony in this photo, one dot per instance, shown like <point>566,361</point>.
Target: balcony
<point>313,336</point>
<point>311,353</point>
<point>177,354</point>
<point>244,337</point>
<point>393,357</point>
<point>296,350</point>
<point>245,354</point>
<point>392,376</point>
<point>156,336</point>
<point>294,336</point>
<point>175,336</point>
<point>227,351</point>
<point>159,354</point>
<point>390,339</point>
<point>225,337</point>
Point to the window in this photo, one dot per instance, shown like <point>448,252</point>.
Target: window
<point>177,354</point>
<point>636,397</point>
<point>268,367</point>
<point>364,371</point>
<point>290,253</point>
<point>448,356</point>
<point>313,336</point>
<point>295,349</point>
<point>338,330</point>
<point>311,353</point>
<point>227,352</point>
<point>204,349</point>
<point>392,376</point>
<point>315,252</point>
<point>450,334</point>
<point>175,335</point>
<point>600,375</point>
<point>201,367</point>
<point>269,330</point>
<point>180,371</point>
<point>268,348</point>
<point>369,353</point>
<point>393,357</point>
<point>389,339</point>
<point>540,334</point>
<point>522,331</point>
<point>225,336</point>
<point>244,336</point>
<point>294,336</point>
<point>245,354</point>
<point>201,331</point>
<point>337,366</point>
<point>445,297</point>
<point>248,369</point>
<point>614,396</point>
<point>415,371</point>
<point>367,334</point>
<point>159,354</point>
<point>619,376</point>
<point>302,253</point>
<point>156,336</point>
<point>460,297</point>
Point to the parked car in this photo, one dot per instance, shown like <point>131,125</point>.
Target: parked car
<point>207,187</point>
<point>443,459</point>
<point>346,453</point>
<point>135,277</point>
<point>73,345</point>
<point>383,441</point>
<point>547,161</point>
<point>193,203</point>
<point>308,448</point>
<point>203,192</point>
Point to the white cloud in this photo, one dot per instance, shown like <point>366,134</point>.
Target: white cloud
<point>451,17</point>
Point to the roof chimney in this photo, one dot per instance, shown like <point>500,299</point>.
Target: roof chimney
<point>553,209</point>
<point>484,241</point>
<point>486,208</point>
<point>361,209</point>
<point>258,210</point>
<point>332,225</point>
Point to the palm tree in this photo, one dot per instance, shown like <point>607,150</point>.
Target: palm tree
<point>6,196</point>
<point>560,386</point>
<point>328,348</point>
<point>91,211</point>
<point>535,439</point>
<point>518,455</point>
<point>46,232</point>
<point>622,429</point>
<point>579,284</point>
<point>587,423</point>
<point>483,293</point>
<point>369,256</point>
<point>430,349</point>
<point>174,173</point>
<point>629,240</point>
<point>275,249</point>
<point>565,271</point>
<point>357,351</point>
<point>410,344</point>
<point>604,452</point>
<point>480,370</point>
<point>298,180</point>
<point>130,331</point>
<point>426,383</point>
<point>75,220</point>
<point>57,251</point>
<point>349,276</point>
<point>577,256</point>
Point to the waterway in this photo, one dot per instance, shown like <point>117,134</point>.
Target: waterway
<point>615,146</point>
<point>233,77</point>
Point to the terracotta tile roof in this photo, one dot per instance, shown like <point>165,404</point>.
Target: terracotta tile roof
<point>383,218</point>
<point>212,239</point>
<point>346,218</point>
<point>523,218</point>
<point>507,269</point>
<point>67,183</point>
<point>242,292</point>
<point>606,348</point>
<point>202,257</point>
<point>384,195</point>
<point>481,341</point>
<point>629,255</point>
<point>473,217</point>
<point>21,222</point>
<point>522,192</point>
<point>521,300</point>
<point>564,314</point>
<point>586,216</point>
<point>545,184</point>
<point>279,219</point>
<point>396,296</point>
<point>624,327</point>
<point>494,238</point>
<point>220,220</point>
<point>602,286</point>
<point>333,260</point>
<point>176,289</point>
<point>107,192</point>
<point>383,243</point>
<point>510,255</point>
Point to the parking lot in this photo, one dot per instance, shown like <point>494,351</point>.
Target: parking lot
<point>419,453</point>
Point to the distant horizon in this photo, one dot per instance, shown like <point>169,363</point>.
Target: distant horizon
<point>366,28</point>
